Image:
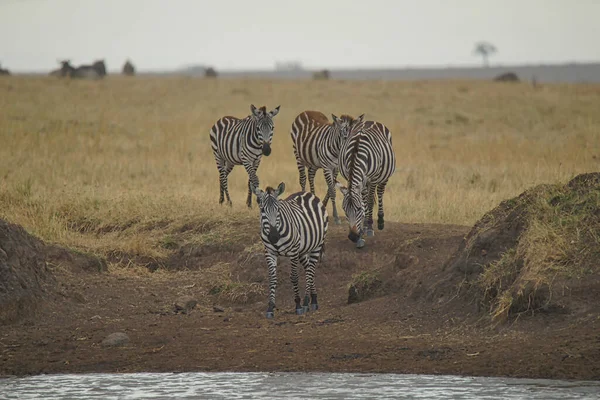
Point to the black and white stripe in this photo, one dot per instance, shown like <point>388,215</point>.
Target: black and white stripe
<point>367,161</point>
<point>317,145</point>
<point>296,228</point>
<point>242,142</point>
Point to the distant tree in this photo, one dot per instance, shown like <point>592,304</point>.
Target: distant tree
<point>485,49</point>
<point>210,72</point>
<point>4,71</point>
<point>128,68</point>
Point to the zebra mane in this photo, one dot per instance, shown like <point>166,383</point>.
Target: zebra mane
<point>269,190</point>
<point>263,109</point>
<point>353,156</point>
<point>348,118</point>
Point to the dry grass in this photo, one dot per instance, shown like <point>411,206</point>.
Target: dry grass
<point>126,165</point>
<point>557,251</point>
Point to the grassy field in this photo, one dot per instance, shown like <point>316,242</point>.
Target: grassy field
<point>126,165</point>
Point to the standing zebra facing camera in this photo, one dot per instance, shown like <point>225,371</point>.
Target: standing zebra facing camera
<point>238,141</point>
<point>296,228</point>
<point>317,144</point>
<point>367,161</point>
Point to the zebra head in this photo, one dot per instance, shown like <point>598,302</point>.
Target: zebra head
<point>264,126</point>
<point>344,124</point>
<point>355,211</point>
<point>270,219</point>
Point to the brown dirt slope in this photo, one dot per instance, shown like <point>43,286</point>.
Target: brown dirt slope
<point>536,252</point>
<point>26,278</point>
<point>406,316</point>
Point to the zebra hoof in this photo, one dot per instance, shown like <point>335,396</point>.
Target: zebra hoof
<point>270,315</point>
<point>370,233</point>
<point>360,243</point>
<point>314,307</point>
<point>304,309</point>
<point>299,311</point>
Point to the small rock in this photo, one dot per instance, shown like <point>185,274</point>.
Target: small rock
<point>115,340</point>
<point>218,309</point>
<point>185,304</point>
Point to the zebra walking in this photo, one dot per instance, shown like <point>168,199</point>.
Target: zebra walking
<point>367,161</point>
<point>296,228</point>
<point>242,142</point>
<point>317,144</point>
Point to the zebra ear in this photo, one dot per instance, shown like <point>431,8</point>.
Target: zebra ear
<point>253,109</point>
<point>257,191</point>
<point>274,112</point>
<point>359,119</point>
<point>280,188</point>
<point>335,119</point>
<point>341,188</point>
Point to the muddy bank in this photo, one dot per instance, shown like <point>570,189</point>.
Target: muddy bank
<point>411,317</point>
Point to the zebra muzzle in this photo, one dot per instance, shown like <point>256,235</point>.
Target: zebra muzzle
<point>273,235</point>
<point>266,149</point>
<point>353,236</point>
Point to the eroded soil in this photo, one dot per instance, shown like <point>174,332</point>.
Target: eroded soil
<point>414,324</point>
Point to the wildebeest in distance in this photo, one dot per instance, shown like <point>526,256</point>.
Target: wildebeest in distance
<point>321,75</point>
<point>95,71</point>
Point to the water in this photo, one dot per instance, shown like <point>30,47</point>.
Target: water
<point>289,386</point>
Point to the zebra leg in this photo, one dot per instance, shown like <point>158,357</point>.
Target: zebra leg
<point>302,173</point>
<point>272,266</point>
<point>369,209</point>
<point>310,261</point>
<point>252,182</point>
<point>311,178</point>
<point>330,179</point>
<point>224,171</point>
<point>380,191</point>
<point>295,260</point>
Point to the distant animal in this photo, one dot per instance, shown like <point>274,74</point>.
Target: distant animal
<point>367,161</point>
<point>128,69</point>
<point>296,228</point>
<point>4,71</point>
<point>95,71</point>
<point>238,141</point>
<point>321,75</point>
<point>317,144</point>
<point>507,77</point>
<point>210,72</point>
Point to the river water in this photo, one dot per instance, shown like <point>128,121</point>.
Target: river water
<point>289,386</point>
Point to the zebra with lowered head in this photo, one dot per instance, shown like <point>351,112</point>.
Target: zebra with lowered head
<point>367,161</point>
<point>238,141</point>
<point>296,228</point>
<point>317,144</point>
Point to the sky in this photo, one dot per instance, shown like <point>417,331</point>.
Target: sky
<point>255,34</point>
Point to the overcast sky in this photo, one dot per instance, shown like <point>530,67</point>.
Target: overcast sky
<point>239,34</point>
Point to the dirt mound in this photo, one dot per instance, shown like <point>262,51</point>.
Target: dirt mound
<point>535,252</point>
<point>26,275</point>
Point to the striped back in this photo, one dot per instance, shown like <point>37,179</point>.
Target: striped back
<point>294,226</point>
<point>316,141</point>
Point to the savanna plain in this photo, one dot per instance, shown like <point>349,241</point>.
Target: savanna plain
<point>117,179</point>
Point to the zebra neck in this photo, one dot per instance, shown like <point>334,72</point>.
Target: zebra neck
<point>250,132</point>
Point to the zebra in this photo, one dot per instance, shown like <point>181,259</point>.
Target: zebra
<point>296,228</point>
<point>242,142</point>
<point>367,161</point>
<point>317,145</point>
